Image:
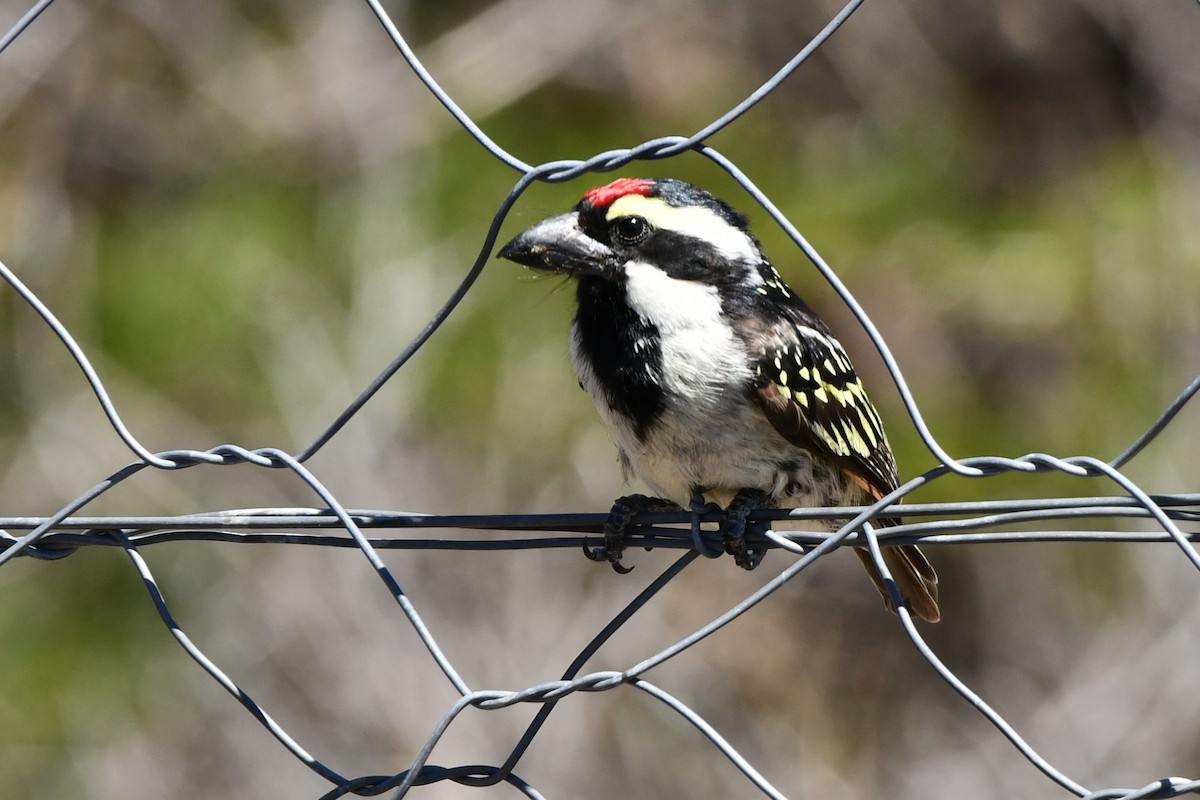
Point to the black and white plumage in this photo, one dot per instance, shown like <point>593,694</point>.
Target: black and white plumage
<point>710,373</point>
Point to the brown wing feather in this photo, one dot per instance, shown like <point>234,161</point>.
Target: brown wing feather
<point>808,389</point>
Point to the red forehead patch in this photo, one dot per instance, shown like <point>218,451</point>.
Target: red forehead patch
<point>603,196</point>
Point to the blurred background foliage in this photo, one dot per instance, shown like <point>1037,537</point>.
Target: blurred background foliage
<point>243,210</point>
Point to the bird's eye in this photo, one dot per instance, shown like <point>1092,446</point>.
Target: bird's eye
<point>630,230</point>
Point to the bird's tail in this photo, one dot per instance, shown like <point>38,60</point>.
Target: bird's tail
<point>914,576</point>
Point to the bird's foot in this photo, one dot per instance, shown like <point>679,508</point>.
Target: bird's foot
<point>737,523</point>
<point>617,524</point>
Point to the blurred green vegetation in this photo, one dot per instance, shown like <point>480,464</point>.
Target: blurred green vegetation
<point>244,211</point>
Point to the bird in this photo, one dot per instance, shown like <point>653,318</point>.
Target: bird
<point>716,381</point>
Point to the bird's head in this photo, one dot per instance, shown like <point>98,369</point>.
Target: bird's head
<point>664,223</point>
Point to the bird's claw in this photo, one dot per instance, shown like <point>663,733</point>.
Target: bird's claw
<point>737,523</point>
<point>616,528</point>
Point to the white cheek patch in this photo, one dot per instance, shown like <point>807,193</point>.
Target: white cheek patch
<point>670,303</point>
<point>699,349</point>
<point>694,221</point>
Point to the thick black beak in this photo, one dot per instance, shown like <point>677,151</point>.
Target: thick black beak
<point>558,244</point>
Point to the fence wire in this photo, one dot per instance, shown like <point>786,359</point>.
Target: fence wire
<point>1172,518</point>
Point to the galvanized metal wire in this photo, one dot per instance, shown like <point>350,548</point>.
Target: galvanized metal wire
<point>1149,517</point>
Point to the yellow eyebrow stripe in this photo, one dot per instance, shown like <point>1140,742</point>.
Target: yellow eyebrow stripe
<point>694,221</point>
<point>653,209</point>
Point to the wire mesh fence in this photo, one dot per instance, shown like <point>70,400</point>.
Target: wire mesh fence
<point>1122,511</point>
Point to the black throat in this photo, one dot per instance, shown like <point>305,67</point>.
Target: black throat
<point>624,350</point>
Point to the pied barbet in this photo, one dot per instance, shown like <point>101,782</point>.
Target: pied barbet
<point>716,381</point>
